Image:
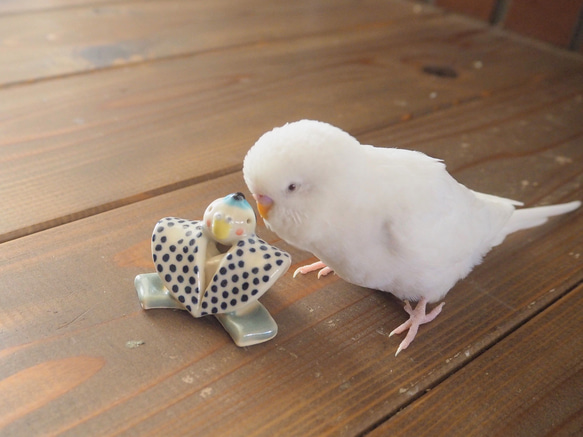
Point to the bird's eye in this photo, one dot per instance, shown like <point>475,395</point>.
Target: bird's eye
<point>291,187</point>
<point>229,220</point>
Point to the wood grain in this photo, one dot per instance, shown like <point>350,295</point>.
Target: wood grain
<point>78,146</point>
<point>332,357</point>
<point>67,41</point>
<point>33,388</point>
<point>27,6</point>
<point>93,154</point>
<point>529,384</point>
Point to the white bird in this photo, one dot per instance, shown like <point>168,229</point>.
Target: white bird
<point>389,219</point>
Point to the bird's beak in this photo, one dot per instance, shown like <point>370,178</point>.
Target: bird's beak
<point>264,204</point>
<point>220,228</point>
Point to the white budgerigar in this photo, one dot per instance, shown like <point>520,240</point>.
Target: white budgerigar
<point>389,219</point>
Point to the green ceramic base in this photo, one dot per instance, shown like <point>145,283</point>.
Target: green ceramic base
<point>152,293</point>
<point>248,326</point>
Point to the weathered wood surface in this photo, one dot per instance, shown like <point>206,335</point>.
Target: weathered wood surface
<point>90,160</point>
<point>486,391</point>
<point>160,125</point>
<point>557,22</point>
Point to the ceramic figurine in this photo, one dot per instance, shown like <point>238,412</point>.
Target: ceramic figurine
<point>217,266</point>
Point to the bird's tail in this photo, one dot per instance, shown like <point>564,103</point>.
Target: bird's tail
<point>531,217</point>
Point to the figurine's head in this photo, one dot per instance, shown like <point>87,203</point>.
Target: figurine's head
<point>230,218</point>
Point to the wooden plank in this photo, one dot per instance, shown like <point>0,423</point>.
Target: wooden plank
<point>541,129</point>
<point>77,146</point>
<point>482,9</point>
<point>551,21</point>
<point>72,40</point>
<point>527,385</point>
<point>27,6</point>
<point>69,298</point>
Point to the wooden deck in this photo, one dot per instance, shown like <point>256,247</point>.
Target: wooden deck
<point>114,114</point>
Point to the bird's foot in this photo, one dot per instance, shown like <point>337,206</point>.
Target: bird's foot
<point>324,269</point>
<point>417,317</point>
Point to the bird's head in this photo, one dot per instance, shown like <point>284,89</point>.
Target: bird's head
<point>229,219</point>
<point>297,170</point>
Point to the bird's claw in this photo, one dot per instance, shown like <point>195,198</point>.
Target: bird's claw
<point>319,265</point>
<point>417,317</point>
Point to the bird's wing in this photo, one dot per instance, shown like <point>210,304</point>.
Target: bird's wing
<point>438,228</point>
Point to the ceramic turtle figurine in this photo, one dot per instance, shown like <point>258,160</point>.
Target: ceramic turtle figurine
<point>217,266</point>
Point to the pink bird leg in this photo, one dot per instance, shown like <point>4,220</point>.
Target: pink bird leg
<point>417,317</point>
<point>312,267</point>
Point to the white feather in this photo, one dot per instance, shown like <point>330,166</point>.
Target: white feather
<point>389,219</point>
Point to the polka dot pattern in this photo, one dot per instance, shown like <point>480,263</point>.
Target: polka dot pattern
<point>246,271</point>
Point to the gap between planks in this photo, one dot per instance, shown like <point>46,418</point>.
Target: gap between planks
<point>69,218</point>
<point>461,366</point>
<point>430,14</point>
